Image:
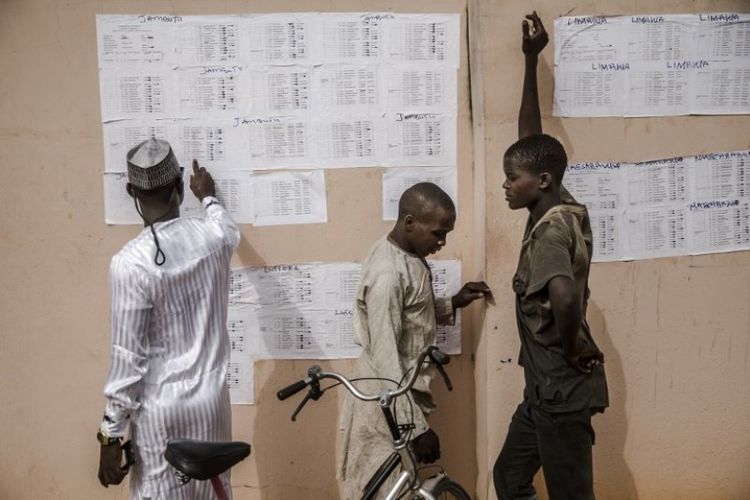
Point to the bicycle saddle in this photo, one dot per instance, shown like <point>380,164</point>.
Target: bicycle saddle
<point>203,460</point>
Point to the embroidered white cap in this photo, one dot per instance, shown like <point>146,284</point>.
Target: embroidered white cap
<point>152,164</point>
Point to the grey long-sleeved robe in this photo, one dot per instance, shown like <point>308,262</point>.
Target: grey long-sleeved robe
<point>395,318</point>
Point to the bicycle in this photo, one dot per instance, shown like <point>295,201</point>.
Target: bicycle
<point>436,486</point>
<point>205,460</point>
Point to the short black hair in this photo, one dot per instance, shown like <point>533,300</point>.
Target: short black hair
<point>160,194</point>
<point>539,153</point>
<point>420,199</point>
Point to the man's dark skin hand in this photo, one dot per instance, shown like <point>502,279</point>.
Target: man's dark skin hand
<point>535,37</point>
<point>563,297</point>
<point>470,292</point>
<point>585,360</point>
<point>110,464</point>
<point>426,447</point>
<point>201,182</point>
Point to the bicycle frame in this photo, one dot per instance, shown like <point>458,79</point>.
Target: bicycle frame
<point>408,477</point>
<point>390,464</point>
<point>405,478</point>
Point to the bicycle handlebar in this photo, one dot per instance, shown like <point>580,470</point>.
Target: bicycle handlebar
<point>315,373</point>
<point>292,389</point>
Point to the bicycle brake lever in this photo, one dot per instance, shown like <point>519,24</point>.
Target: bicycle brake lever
<point>446,379</point>
<point>300,406</point>
<point>314,393</point>
<point>439,359</point>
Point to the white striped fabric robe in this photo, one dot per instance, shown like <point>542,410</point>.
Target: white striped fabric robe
<point>170,348</point>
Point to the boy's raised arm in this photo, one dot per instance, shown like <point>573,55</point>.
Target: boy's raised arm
<point>535,38</point>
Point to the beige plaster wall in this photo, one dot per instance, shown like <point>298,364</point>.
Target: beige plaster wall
<point>675,331</point>
<point>55,249</point>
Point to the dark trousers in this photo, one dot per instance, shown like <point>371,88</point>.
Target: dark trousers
<point>558,442</point>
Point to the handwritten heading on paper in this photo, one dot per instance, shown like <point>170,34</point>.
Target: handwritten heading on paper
<point>669,207</point>
<point>273,92</point>
<point>652,65</point>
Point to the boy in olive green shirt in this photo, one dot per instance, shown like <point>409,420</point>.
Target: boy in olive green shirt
<point>565,380</point>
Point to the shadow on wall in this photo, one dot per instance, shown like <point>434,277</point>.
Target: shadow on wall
<point>551,125</point>
<point>613,478</point>
<point>292,459</point>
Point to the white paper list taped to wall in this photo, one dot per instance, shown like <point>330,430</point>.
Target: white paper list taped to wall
<point>306,310</point>
<point>398,180</point>
<point>677,206</point>
<point>288,198</point>
<point>233,189</point>
<point>652,65</point>
<point>277,92</point>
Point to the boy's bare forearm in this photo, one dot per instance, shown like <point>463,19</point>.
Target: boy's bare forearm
<point>534,40</point>
<point>568,322</point>
<point>529,116</point>
<point>568,315</point>
<point>566,311</point>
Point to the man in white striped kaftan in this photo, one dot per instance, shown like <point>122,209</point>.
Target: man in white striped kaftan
<point>170,348</point>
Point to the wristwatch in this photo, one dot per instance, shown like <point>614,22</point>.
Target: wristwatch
<point>207,201</point>
<point>105,439</point>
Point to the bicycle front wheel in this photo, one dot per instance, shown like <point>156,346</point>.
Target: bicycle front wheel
<point>450,489</point>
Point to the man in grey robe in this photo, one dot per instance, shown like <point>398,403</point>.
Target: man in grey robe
<point>395,318</point>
